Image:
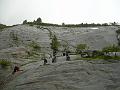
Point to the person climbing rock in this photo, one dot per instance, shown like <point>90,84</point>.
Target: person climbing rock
<point>45,61</point>
<point>67,56</point>
<point>67,53</point>
<point>16,69</point>
<point>63,53</point>
<point>54,59</point>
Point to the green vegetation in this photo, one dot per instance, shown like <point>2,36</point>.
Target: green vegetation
<point>114,24</point>
<point>86,25</point>
<point>50,34</point>
<point>81,47</point>
<point>112,48</point>
<point>39,22</point>
<point>118,31</point>
<point>107,53</point>
<point>31,24</point>
<point>38,26</point>
<point>4,63</point>
<point>34,50</point>
<point>43,24</point>
<point>25,22</point>
<point>89,25</point>
<point>2,26</point>
<point>103,57</point>
<point>35,46</point>
<point>54,45</point>
<point>63,24</point>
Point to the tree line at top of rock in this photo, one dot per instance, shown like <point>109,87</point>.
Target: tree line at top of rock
<point>39,22</point>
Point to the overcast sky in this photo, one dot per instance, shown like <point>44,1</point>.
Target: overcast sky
<point>58,11</point>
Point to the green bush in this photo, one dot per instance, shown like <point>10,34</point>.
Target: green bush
<point>55,43</point>
<point>116,58</point>
<point>31,24</point>
<point>118,31</point>
<point>25,22</point>
<point>107,57</point>
<point>38,26</point>
<point>34,49</point>
<point>2,26</point>
<point>39,20</point>
<point>81,47</point>
<point>35,46</point>
<point>5,63</point>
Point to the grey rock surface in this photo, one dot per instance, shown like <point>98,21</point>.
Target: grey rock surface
<point>73,75</point>
<point>95,38</point>
<point>22,35</point>
<point>63,75</point>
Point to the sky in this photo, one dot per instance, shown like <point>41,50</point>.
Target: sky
<point>59,11</point>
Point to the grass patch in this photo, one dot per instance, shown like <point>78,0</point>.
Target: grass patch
<point>78,57</point>
<point>5,63</point>
<point>31,25</point>
<point>98,58</point>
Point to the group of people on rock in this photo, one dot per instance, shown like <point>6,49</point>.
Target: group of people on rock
<point>54,57</point>
<point>17,68</point>
<point>67,55</point>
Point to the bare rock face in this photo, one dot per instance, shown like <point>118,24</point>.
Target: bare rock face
<point>73,75</point>
<point>21,35</point>
<point>76,75</point>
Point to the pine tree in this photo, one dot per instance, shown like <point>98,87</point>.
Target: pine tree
<point>25,22</point>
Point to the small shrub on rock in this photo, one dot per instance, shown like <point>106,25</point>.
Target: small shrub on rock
<point>4,63</point>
